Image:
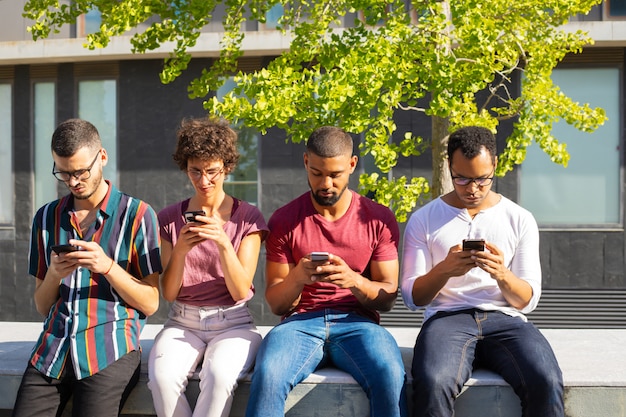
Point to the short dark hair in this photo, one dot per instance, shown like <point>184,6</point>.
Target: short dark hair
<point>206,139</point>
<point>72,135</point>
<point>329,141</point>
<point>470,140</point>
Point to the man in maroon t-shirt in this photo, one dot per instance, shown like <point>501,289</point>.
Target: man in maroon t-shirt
<point>330,306</point>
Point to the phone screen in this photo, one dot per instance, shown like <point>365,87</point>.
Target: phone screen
<point>64,248</point>
<point>190,216</point>
<point>474,244</point>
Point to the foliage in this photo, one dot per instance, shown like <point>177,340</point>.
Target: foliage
<point>354,63</point>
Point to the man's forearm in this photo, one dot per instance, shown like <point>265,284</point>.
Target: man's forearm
<point>374,295</point>
<point>283,296</point>
<point>141,294</point>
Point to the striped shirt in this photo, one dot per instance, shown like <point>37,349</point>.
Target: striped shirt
<point>89,321</point>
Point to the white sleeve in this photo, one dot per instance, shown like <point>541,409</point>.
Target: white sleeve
<point>526,263</point>
<point>416,260</point>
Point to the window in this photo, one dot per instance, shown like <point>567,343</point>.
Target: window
<point>588,192</point>
<point>7,215</point>
<point>243,181</point>
<point>44,123</point>
<point>88,23</point>
<point>97,103</point>
<point>615,9</point>
<point>272,16</point>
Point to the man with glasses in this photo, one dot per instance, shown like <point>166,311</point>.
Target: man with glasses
<point>95,290</point>
<point>475,299</point>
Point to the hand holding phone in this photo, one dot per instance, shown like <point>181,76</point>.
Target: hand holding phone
<point>319,256</point>
<point>474,244</point>
<point>59,249</point>
<point>190,216</point>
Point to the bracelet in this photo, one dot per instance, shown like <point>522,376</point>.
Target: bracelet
<point>109,270</point>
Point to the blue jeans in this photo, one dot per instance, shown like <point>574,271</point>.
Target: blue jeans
<point>302,343</point>
<point>451,344</point>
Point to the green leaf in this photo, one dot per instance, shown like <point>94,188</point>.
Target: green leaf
<point>456,65</point>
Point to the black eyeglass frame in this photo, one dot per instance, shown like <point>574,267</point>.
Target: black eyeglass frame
<point>79,174</point>
<point>479,181</point>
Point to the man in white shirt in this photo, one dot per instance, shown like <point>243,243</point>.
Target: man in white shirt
<point>475,299</point>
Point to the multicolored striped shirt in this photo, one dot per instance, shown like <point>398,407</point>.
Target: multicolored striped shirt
<point>90,323</point>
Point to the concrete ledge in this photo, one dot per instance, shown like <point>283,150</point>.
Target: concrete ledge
<point>592,360</point>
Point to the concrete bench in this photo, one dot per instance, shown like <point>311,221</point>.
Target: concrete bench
<point>592,360</point>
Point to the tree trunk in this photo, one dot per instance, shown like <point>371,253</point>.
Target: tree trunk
<point>441,182</point>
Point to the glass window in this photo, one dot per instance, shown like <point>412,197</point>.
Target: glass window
<point>88,23</point>
<point>272,16</point>
<point>7,215</point>
<point>44,123</point>
<point>243,182</point>
<point>616,8</point>
<point>588,191</point>
<point>97,103</point>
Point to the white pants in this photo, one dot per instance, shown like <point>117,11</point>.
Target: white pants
<point>225,340</point>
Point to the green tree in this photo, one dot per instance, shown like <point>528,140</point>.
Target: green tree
<point>455,61</point>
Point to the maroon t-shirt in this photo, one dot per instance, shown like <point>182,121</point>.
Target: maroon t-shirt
<point>203,280</point>
<point>367,232</point>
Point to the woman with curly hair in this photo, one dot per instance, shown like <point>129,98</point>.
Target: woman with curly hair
<point>210,249</point>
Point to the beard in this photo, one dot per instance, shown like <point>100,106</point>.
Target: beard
<point>91,187</point>
<point>327,201</point>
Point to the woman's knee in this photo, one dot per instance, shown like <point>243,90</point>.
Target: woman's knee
<point>162,373</point>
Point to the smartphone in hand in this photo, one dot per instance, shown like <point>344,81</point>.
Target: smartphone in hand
<point>58,249</point>
<point>190,216</point>
<point>474,244</point>
<point>319,256</point>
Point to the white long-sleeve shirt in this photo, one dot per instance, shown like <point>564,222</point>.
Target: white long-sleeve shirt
<point>436,227</point>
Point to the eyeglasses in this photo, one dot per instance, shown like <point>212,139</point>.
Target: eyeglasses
<point>480,181</point>
<point>79,174</point>
<point>211,174</point>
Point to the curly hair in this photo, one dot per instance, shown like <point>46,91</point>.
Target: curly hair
<point>207,139</point>
<point>470,140</point>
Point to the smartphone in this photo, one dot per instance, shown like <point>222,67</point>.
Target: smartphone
<point>64,248</point>
<point>474,244</point>
<point>190,216</point>
<point>319,256</point>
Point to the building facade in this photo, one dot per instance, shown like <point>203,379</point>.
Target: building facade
<point>580,209</point>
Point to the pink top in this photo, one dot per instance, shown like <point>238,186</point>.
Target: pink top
<point>367,232</point>
<point>203,280</point>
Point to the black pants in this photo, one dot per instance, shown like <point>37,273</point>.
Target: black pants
<point>100,395</point>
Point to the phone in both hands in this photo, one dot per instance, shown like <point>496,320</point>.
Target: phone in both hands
<point>59,249</point>
<point>190,216</point>
<point>319,256</point>
<point>474,244</point>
